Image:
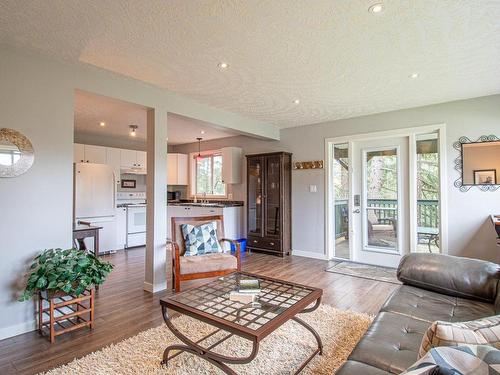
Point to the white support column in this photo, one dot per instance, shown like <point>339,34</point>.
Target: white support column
<point>156,267</point>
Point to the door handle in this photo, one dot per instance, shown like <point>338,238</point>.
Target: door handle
<point>356,211</point>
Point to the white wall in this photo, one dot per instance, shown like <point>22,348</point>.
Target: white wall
<point>470,233</point>
<point>37,99</point>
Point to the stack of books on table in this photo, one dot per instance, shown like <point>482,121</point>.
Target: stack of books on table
<point>246,291</point>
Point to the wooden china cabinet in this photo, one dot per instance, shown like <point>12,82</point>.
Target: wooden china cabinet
<point>269,203</point>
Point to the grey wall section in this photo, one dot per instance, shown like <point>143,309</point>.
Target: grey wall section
<point>36,209</point>
<point>470,233</point>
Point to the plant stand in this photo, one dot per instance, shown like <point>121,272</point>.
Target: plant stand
<point>60,313</point>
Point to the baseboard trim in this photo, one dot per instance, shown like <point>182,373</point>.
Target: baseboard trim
<point>17,329</point>
<point>309,254</point>
<point>148,287</point>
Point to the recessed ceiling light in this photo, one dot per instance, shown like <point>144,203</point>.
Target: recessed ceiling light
<point>102,123</point>
<point>223,65</point>
<point>202,132</point>
<point>133,129</point>
<point>376,8</point>
<point>296,101</point>
<point>414,75</point>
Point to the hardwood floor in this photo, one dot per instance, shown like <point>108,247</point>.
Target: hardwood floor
<point>123,309</point>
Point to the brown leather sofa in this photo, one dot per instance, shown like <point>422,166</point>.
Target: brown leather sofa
<point>435,287</point>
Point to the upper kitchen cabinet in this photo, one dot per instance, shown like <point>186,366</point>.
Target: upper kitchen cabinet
<point>142,159</point>
<point>78,153</point>
<point>177,169</point>
<point>231,165</point>
<point>89,154</point>
<point>113,159</point>
<point>133,159</point>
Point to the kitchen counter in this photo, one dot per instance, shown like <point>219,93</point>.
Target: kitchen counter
<point>217,204</point>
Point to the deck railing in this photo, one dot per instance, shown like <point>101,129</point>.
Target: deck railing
<point>427,213</point>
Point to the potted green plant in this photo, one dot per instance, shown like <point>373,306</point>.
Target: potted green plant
<point>71,271</point>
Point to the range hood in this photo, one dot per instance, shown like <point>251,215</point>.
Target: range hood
<point>134,170</point>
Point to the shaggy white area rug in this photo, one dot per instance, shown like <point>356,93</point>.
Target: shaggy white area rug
<point>282,352</point>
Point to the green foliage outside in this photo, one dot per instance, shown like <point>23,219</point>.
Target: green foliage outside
<point>70,271</point>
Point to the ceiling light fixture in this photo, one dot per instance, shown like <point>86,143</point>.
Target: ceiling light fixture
<point>414,75</point>
<point>223,65</point>
<point>202,132</point>
<point>102,123</point>
<point>133,129</point>
<point>197,157</point>
<point>296,101</point>
<point>376,8</point>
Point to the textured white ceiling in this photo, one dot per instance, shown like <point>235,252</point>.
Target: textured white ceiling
<point>91,109</point>
<point>336,57</point>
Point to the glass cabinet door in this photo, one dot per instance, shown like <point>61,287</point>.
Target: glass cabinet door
<point>273,196</point>
<point>255,195</point>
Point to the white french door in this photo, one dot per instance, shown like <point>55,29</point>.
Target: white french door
<point>379,224</point>
<point>386,194</point>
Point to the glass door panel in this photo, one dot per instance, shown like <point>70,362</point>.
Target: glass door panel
<point>381,199</point>
<point>428,188</point>
<point>340,174</point>
<point>255,195</point>
<point>273,195</point>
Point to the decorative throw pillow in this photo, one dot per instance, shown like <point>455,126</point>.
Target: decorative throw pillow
<point>201,239</point>
<point>474,332</point>
<point>458,360</point>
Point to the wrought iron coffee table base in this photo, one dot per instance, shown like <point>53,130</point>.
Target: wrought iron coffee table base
<point>220,360</point>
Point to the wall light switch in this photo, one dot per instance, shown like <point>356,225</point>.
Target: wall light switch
<point>313,189</point>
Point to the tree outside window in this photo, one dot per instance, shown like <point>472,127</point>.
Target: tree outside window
<point>209,176</point>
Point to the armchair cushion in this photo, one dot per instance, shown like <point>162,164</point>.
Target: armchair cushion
<point>207,263</point>
<point>200,239</point>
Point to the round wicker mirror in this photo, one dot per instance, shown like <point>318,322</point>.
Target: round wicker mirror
<point>16,153</point>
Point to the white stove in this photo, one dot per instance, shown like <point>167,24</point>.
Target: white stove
<point>134,204</point>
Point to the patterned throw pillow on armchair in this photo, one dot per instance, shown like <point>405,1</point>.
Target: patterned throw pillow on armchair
<point>200,239</point>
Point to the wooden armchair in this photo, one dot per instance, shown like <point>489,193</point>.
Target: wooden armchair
<point>206,265</point>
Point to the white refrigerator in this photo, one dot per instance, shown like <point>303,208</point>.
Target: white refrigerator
<point>95,202</point>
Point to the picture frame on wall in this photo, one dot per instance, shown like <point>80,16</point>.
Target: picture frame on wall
<point>128,184</point>
<point>485,177</point>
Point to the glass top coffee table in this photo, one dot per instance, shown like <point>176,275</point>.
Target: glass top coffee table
<point>277,302</point>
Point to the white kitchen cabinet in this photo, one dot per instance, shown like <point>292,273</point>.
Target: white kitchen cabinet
<point>78,153</point>
<point>141,157</point>
<point>95,154</point>
<point>132,159</point>
<point>121,227</point>
<point>231,165</point>
<point>128,158</point>
<point>113,159</point>
<point>89,154</point>
<point>177,169</point>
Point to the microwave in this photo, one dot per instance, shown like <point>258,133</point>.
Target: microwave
<point>173,195</point>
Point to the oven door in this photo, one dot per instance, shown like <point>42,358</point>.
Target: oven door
<point>136,220</point>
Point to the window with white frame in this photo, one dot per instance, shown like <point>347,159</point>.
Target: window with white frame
<point>206,176</point>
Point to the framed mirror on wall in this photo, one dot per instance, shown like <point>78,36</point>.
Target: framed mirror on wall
<point>16,153</point>
<point>478,163</point>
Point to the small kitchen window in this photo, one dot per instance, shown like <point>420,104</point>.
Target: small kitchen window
<point>206,176</point>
